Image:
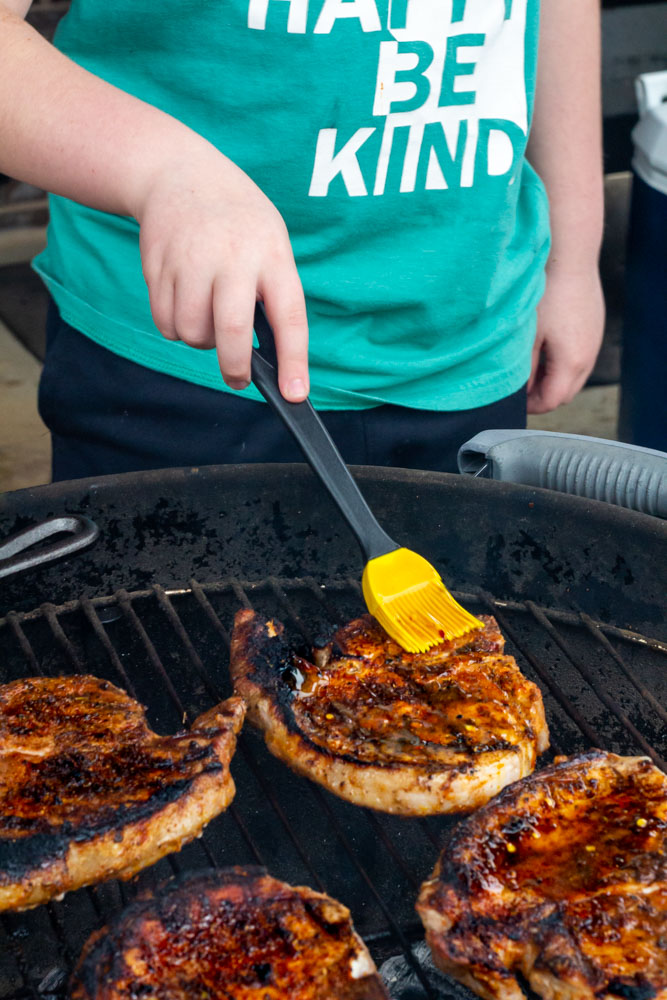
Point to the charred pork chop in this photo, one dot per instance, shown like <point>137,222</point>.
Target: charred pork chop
<point>234,933</point>
<point>88,791</point>
<point>561,880</point>
<point>408,733</point>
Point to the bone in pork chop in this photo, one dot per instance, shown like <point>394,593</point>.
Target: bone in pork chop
<point>408,733</point>
<point>88,791</point>
<point>230,933</point>
<point>561,880</point>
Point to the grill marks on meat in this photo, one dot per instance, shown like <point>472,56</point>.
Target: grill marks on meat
<point>414,734</point>
<point>562,879</point>
<point>231,933</point>
<point>88,791</point>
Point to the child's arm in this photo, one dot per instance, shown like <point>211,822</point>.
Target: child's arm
<point>211,242</point>
<point>566,150</point>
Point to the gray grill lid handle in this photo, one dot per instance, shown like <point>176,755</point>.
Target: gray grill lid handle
<point>19,553</point>
<point>622,474</point>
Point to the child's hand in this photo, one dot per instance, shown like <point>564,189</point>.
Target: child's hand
<point>211,245</point>
<point>570,324</point>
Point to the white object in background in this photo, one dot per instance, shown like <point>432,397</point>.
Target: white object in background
<point>650,133</point>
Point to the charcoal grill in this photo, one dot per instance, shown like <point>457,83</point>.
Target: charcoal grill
<point>577,587</point>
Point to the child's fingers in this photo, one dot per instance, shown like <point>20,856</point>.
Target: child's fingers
<point>224,244</point>
<point>233,312</point>
<point>535,364</point>
<point>193,315</point>
<point>161,296</point>
<point>286,311</point>
<point>559,384</point>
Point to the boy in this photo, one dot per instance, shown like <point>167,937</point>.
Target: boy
<point>366,157</point>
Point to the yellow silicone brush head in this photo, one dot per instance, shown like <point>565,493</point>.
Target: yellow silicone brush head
<point>407,596</point>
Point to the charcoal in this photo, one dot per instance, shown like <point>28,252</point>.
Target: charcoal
<point>403,983</point>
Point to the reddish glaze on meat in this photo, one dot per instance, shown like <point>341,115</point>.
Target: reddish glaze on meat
<point>88,791</point>
<point>232,933</point>
<point>410,733</point>
<point>561,879</point>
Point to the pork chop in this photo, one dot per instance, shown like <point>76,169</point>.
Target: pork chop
<point>235,933</point>
<point>88,791</point>
<point>561,880</point>
<point>408,733</point>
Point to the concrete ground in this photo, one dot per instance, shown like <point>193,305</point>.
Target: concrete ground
<point>25,449</point>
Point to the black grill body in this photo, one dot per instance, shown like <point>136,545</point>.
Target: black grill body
<point>577,587</point>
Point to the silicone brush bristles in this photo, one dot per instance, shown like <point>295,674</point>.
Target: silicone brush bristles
<point>407,596</point>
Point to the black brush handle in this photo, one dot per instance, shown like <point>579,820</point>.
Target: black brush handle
<point>315,442</point>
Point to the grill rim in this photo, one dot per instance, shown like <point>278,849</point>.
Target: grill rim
<point>419,507</point>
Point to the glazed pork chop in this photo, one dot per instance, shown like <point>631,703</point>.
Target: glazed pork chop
<point>230,933</point>
<point>88,791</point>
<point>561,880</point>
<point>407,733</point>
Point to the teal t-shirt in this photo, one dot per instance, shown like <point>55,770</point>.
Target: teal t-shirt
<point>391,136</point>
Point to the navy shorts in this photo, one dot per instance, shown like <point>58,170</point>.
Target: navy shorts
<point>108,415</point>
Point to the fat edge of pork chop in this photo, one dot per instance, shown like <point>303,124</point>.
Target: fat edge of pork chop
<point>88,792</point>
<point>403,774</point>
<point>230,932</point>
<point>562,881</point>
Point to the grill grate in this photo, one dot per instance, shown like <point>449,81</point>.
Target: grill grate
<point>602,686</point>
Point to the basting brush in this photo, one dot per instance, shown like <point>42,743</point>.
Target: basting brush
<point>402,590</point>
